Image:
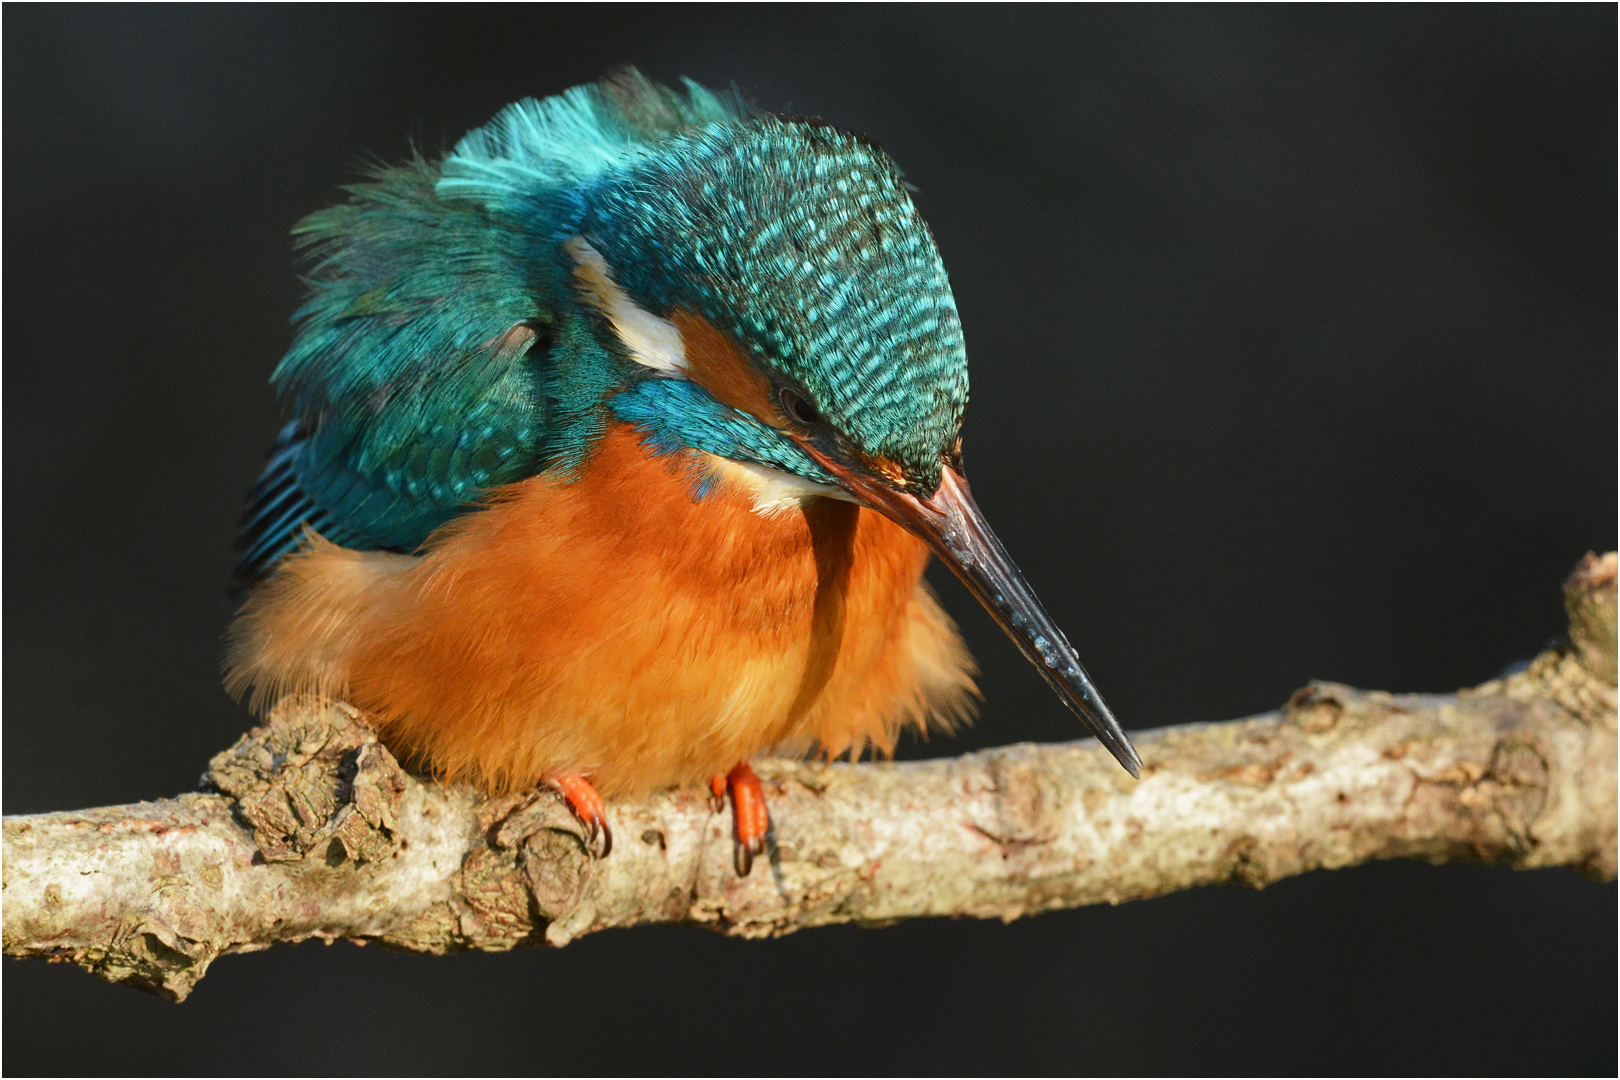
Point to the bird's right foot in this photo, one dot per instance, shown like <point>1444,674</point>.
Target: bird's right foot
<point>751,818</point>
<point>588,807</point>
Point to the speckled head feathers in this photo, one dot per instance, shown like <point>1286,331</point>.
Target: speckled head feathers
<point>801,242</point>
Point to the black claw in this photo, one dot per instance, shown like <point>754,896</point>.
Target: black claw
<point>717,803</point>
<point>742,858</point>
<point>598,837</point>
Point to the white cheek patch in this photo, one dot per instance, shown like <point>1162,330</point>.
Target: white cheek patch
<point>650,340</point>
<point>774,492</point>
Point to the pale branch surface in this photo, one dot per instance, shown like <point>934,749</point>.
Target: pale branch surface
<point>311,829</point>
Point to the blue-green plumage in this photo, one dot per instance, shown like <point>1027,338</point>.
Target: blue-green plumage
<point>676,415</point>
<point>406,406</point>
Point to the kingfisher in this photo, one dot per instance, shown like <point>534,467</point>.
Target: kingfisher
<point>620,439</point>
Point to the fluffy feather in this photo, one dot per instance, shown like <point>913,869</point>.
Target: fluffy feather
<point>577,135</point>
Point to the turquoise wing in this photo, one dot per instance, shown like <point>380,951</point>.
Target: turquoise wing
<point>437,355</point>
<point>417,378</point>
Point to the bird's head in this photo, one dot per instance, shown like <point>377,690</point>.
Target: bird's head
<point>784,311</point>
<point>798,246</point>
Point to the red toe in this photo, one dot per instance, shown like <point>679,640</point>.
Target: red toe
<point>751,817</point>
<point>587,805</point>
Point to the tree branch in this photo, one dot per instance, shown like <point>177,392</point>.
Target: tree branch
<point>309,828</point>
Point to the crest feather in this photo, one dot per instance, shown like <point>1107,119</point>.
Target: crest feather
<point>577,135</point>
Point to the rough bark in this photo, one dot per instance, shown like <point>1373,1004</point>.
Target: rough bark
<point>309,827</point>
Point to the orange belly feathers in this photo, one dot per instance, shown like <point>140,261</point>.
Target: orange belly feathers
<point>613,628</point>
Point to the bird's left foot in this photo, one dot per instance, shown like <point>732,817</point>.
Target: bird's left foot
<point>752,819</point>
<point>587,805</point>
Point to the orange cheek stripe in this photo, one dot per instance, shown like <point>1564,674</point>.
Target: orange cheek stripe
<point>718,366</point>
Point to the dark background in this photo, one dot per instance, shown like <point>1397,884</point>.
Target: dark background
<point>1293,338</point>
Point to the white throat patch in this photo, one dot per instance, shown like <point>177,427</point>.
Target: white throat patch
<point>651,341</point>
<point>774,491</point>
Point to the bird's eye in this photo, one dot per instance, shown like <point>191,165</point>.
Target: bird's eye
<point>799,409</point>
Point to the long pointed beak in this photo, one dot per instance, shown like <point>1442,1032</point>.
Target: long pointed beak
<point>952,525</point>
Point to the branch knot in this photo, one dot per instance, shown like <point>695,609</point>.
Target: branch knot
<point>314,782</point>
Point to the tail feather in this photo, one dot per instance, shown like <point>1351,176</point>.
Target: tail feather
<point>277,511</point>
<point>274,512</point>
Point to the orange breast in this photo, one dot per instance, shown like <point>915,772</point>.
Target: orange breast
<point>612,626</point>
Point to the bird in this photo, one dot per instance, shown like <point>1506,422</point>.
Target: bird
<point>620,438</point>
